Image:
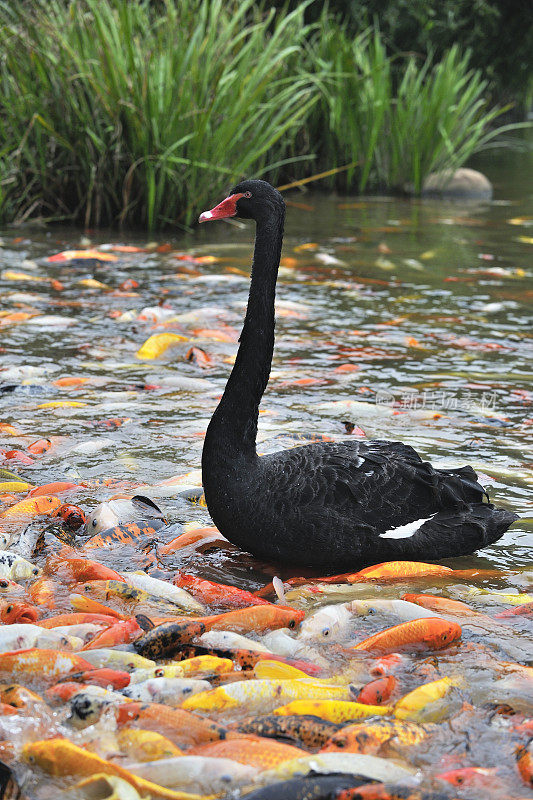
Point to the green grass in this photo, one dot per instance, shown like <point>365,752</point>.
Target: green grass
<point>129,112</point>
<point>399,117</point>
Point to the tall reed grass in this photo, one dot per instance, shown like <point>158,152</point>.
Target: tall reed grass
<point>138,113</point>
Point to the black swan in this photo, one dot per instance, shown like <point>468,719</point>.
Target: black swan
<point>331,505</point>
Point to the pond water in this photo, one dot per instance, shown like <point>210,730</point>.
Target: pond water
<point>401,319</point>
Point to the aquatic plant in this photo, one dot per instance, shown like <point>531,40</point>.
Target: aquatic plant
<point>399,121</point>
<point>137,113</point>
<point>122,112</point>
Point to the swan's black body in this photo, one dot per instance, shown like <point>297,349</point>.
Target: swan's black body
<point>323,505</point>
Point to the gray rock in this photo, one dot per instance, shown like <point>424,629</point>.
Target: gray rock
<point>461,183</point>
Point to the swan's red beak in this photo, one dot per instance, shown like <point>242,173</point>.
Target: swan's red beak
<point>227,208</point>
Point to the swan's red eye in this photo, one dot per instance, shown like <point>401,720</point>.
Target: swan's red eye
<point>247,194</point>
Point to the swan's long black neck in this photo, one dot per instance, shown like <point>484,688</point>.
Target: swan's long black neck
<point>233,427</point>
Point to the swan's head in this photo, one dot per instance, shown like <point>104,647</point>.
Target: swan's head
<point>251,200</point>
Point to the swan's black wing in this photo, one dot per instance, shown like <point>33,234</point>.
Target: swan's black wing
<point>339,502</point>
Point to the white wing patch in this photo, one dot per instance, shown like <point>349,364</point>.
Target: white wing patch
<point>405,531</point>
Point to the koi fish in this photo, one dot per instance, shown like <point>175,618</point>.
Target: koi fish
<point>104,677</point>
<point>169,671</point>
<point>198,773</point>
<point>141,745</point>
<point>301,729</point>
<point>46,664</point>
<point>380,769</point>
<point>191,537</point>
<point>330,623</point>
<point>216,593</point>
<point>105,590</point>
<point>182,728</point>
<point>524,762</point>
<point>164,590</point>
<point>15,567</point>
<point>432,634</point>
<point>84,604</point>
<point>391,570</point>
<point>400,608</point>
<point>73,516</point>
<point>130,533</point>
<point>17,611</point>
<point>59,757</point>
<point>77,619</point>
<point>264,695</point>
<point>258,619</point>
<point>210,664</point>
<point>385,665</point>
<point>524,610</point>
<point>123,510</point>
<point>18,636</point>
<point>439,604</point>
<point>501,597</point>
<point>332,710</point>
<point>259,753</point>
<point>469,776</point>
<point>15,486</point>
<point>170,691</point>
<point>165,640</point>
<point>66,690</point>
<point>368,737</point>
<point>59,487</point>
<point>107,657</point>
<point>378,692</point>
<point>32,507</point>
<point>43,592</point>
<point>120,633</point>
<point>413,706</point>
<point>18,696</point>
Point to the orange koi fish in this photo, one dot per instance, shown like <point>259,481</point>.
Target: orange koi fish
<point>43,592</point>
<point>191,537</point>
<point>258,618</point>
<point>182,728</point>
<point>54,488</point>
<point>73,516</point>
<point>378,692</point>
<point>255,751</point>
<point>470,776</point>
<point>210,593</point>
<point>83,255</point>
<point>391,570</point>
<point>524,610</point>
<point>39,447</point>
<point>32,507</point>
<point>77,618</point>
<point>18,696</point>
<point>42,664</point>
<point>81,569</point>
<point>524,762</point>
<point>429,633</point>
<point>103,676</point>
<point>120,633</point>
<point>17,611</point>
<point>442,604</point>
<point>83,603</point>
